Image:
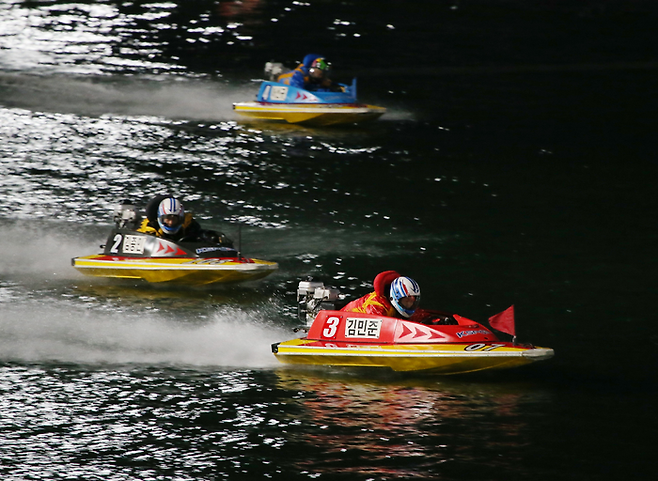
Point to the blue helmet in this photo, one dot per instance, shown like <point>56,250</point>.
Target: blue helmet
<point>405,287</point>
<point>171,215</point>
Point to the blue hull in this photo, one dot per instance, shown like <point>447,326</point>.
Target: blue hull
<point>278,93</point>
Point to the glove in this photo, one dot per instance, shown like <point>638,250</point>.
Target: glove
<point>210,236</point>
<point>225,241</point>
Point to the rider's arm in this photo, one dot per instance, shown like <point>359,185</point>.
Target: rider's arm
<point>145,228</point>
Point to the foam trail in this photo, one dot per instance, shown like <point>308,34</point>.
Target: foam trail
<point>70,328</point>
<point>230,339</point>
<point>183,99</point>
<point>34,249</point>
<point>189,99</point>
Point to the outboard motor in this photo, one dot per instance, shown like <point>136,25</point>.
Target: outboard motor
<point>273,70</point>
<point>312,297</point>
<point>126,216</point>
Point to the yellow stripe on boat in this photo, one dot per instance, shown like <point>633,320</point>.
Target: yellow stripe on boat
<point>434,358</point>
<point>194,271</point>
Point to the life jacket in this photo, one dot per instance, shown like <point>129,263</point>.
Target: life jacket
<point>300,77</point>
<point>299,80</point>
<point>147,227</point>
<point>376,302</point>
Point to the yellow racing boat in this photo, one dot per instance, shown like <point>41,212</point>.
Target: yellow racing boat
<point>128,254</point>
<point>312,115</point>
<point>183,267</point>
<point>276,101</point>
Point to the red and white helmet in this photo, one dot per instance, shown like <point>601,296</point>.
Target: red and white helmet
<point>405,287</point>
<point>170,215</point>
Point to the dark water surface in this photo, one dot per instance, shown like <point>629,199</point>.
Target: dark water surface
<point>516,165</point>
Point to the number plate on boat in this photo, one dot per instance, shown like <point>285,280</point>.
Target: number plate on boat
<point>356,327</point>
<point>133,244</point>
<point>279,93</point>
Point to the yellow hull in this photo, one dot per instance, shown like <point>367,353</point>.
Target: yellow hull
<point>430,358</point>
<point>193,271</point>
<point>310,114</point>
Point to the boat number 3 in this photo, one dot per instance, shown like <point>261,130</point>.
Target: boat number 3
<point>482,347</point>
<point>117,242</point>
<point>330,327</point>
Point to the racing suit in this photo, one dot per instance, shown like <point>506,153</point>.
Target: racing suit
<point>372,303</point>
<point>190,228</point>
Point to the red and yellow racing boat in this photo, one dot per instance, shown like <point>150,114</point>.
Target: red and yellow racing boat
<point>439,343</point>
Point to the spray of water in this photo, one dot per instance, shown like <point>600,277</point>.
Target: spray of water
<point>231,338</point>
<point>42,320</point>
<point>190,99</point>
<point>44,248</point>
<point>169,98</point>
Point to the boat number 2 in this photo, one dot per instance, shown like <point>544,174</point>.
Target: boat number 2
<point>330,327</point>
<point>482,347</point>
<point>117,242</point>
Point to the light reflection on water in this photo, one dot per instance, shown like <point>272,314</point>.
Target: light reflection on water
<point>366,427</point>
<point>501,187</point>
<point>95,162</point>
<point>130,424</point>
<point>204,424</point>
<point>78,37</point>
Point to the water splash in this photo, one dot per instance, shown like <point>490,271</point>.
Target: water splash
<point>44,248</point>
<point>169,98</point>
<point>230,338</point>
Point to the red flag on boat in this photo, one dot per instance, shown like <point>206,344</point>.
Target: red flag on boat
<point>504,321</point>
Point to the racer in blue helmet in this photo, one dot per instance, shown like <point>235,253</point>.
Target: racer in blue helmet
<point>405,296</point>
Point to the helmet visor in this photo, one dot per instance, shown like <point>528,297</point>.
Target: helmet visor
<point>316,73</point>
<point>318,69</point>
<point>170,220</point>
<point>410,303</point>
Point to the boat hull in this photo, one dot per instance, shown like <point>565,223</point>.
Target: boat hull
<point>444,359</point>
<point>313,115</point>
<point>129,254</point>
<point>435,342</point>
<point>186,270</point>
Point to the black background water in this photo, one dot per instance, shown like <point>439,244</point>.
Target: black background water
<point>516,165</point>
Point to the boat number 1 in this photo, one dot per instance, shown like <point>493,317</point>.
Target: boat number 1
<point>482,347</point>
<point>330,327</point>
